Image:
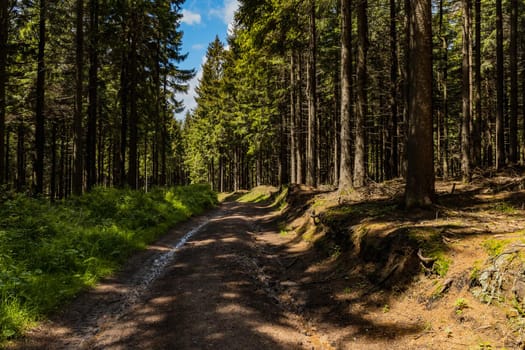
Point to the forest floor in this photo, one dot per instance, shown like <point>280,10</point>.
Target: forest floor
<point>326,271</point>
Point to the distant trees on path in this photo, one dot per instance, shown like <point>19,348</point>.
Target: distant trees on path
<point>348,92</point>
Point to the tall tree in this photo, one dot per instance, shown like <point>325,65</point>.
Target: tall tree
<point>4,29</point>
<point>466,89</point>
<point>77,118</point>
<point>513,55</point>
<point>391,156</point>
<point>476,132</point>
<point>362,99</point>
<point>500,123</point>
<point>419,189</point>
<point>311,147</point>
<point>345,172</point>
<point>40,97</point>
<point>93,94</point>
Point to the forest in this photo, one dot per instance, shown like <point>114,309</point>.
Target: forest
<point>309,92</point>
<point>87,95</point>
<point>331,95</point>
<point>353,92</point>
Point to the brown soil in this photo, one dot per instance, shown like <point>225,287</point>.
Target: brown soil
<point>330,271</point>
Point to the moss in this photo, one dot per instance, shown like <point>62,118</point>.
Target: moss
<point>430,241</point>
<point>495,247</point>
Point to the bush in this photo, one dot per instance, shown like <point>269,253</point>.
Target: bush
<point>50,252</point>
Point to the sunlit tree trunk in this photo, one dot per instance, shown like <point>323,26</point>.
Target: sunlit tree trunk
<point>419,189</point>
<point>466,98</point>
<point>500,124</point>
<point>311,146</point>
<point>293,117</point>
<point>476,132</point>
<point>513,116</point>
<point>345,171</point>
<point>362,99</point>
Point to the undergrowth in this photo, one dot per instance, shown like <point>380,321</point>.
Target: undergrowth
<point>257,195</point>
<point>50,252</point>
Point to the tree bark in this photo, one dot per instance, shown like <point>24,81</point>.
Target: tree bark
<point>513,55</point>
<point>345,171</point>
<point>124,91</point>
<point>311,149</point>
<point>465,92</point>
<point>391,155</point>
<point>419,189</point>
<point>133,112</point>
<point>361,103</point>
<point>77,118</point>
<point>20,157</point>
<point>91,169</point>
<point>52,191</point>
<point>500,123</point>
<point>299,124</point>
<point>4,30</point>
<point>293,117</point>
<point>40,96</point>
<point>476,132</point>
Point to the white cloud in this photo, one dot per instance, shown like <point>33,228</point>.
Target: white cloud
<point>190,18</point>
<point>226,12</point>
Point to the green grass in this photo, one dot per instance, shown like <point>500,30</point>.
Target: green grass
<point>495,247</point>
<point>257,195</point>
<point>50,252</point>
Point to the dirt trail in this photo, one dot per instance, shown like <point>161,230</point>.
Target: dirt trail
<point>212,293</point>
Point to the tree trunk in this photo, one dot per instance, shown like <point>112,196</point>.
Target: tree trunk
<point>40,96</point>
<point>133,112</point>
<point>476,132</point>
<point>93,96</point>
<point>362,103</point>
<point>513,116</point>
<point>391,155</point>
<point>466,98</point>
<point>20,157</point>
<point>124,91</point>
<point>77,118</point>
<point>311,149</point>
<point>293,118</point>
<point>419,189</point>
<point>4,29</point>
<point>345,171</point>
<point>7,149</point>
<point>52,186</point>
<point>299,124</point>
<point>62,166</point>
<point>500,124</point>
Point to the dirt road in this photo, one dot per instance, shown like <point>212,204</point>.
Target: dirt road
<point>213,292</point>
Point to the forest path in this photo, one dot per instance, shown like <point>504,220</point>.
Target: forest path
<point>214,292</point>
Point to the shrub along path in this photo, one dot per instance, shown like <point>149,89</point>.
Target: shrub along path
<point>213,294</point>
<point>49,252</point>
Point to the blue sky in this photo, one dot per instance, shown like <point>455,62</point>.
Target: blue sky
<point>202,21</point>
